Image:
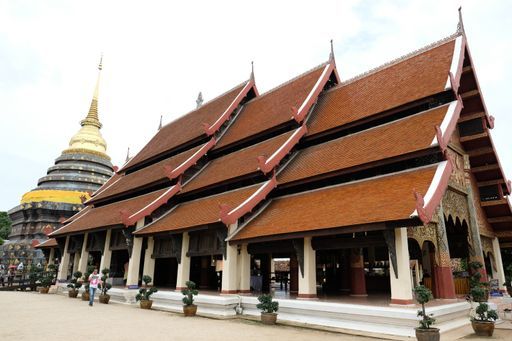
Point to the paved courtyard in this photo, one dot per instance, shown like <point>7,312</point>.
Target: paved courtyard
<point>32,316</point>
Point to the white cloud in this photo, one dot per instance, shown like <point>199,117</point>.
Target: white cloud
<point>160,54</point>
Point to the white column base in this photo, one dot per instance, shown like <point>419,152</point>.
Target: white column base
<point>401,287</point>
<point>106,257</point>
<point>307,280</point>
<point>184,265</point>
<point>64,263</point>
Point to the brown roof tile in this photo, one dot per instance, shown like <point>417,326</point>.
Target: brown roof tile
<point>145,176</point>
<point>50,243</point>
<point>107,215</point>
<point>412,79</point>
<point>198,212</point>
<point>387,198</point>
<point>272,108</point>
<point>400,137</point>
<point>239,163</point>
<point>187,127</point>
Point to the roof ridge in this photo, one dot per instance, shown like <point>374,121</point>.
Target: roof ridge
<point>395,61</point>
<point>207,102</point>
<point>292,80</point>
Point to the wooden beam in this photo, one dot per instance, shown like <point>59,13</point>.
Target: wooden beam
<point>499,181</point>
<point>494,202</point>
<point>485,168</point>
<point>504,234</point>
<point>470,93</point>
<point>504,219</point>
<point>474,137</point>
<point>467,69</point>
<point>471,116</point>
<point>480,151</point>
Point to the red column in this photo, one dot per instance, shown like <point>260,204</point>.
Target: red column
<point>443,277</point>
<point>357,276</point>
<point>294,275</point>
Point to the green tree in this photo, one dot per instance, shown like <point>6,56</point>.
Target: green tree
<point>5,225</point>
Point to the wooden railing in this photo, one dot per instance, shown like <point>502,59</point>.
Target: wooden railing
<point>461,285</point>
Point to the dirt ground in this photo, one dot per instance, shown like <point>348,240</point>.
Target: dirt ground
<point>33,316</point>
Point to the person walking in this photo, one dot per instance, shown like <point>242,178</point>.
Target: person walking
<point>94,280</point>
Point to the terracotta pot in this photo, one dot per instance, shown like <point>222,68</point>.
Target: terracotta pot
<point>86,296</point>
<point>146,304</point>
<point>483,328</point>
<point>44,290</point>
<point>430,334</point>
<point>268,318</point>
<point>190,310</point>
<point>104,298</point>
<point>73,293</point>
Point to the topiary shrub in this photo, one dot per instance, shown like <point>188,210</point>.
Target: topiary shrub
<point>267,305</point>
<point>189,292</point>
<point>423,296</point>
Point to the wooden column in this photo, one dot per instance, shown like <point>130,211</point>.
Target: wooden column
<point>184,266</point>
<point>357,276</point>
<point>84,255</point>
<point>149,262</point>
<point>106,257</point>
<point>64,263</point>
<point>294,274</point>
<point>401,281</point>
<point>307,277</point>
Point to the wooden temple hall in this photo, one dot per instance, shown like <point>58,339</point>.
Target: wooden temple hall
<point>366,186</point>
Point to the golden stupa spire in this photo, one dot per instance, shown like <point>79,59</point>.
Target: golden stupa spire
<point>88,139</point>
<point>92,116</point>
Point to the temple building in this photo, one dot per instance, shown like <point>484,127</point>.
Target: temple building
<point>79,171</point>
<point>365,186</point>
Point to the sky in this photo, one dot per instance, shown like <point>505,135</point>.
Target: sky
<point>158,55</point>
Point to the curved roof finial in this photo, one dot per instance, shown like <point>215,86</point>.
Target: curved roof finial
<point>252,70</point>
<point>160,125</point>
<point>460,25</point>
<point>331,55</point>
<point>199,100</point>
<point>127,155</point>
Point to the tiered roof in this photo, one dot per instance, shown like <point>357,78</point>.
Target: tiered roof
<point>377,200</point>
<point>323,156</point>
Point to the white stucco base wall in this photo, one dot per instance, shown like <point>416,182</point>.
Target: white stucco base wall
<point>380,321</point>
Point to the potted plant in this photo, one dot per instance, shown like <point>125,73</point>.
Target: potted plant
<point>75,284</point>
<point>483,321</point>
<point>34,276</point>
<point>425,332</point>
<point>104,286</point>
<point>478,290</point>
<point>46,281</point>
<point>268,309</point>
<point>145,293</point>
<point>189,308</point>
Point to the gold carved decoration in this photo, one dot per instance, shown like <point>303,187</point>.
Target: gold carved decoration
<point>457,178</point>
<point>456,205</point>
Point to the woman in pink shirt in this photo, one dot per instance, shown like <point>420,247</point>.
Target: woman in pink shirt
<point>94,280</point>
